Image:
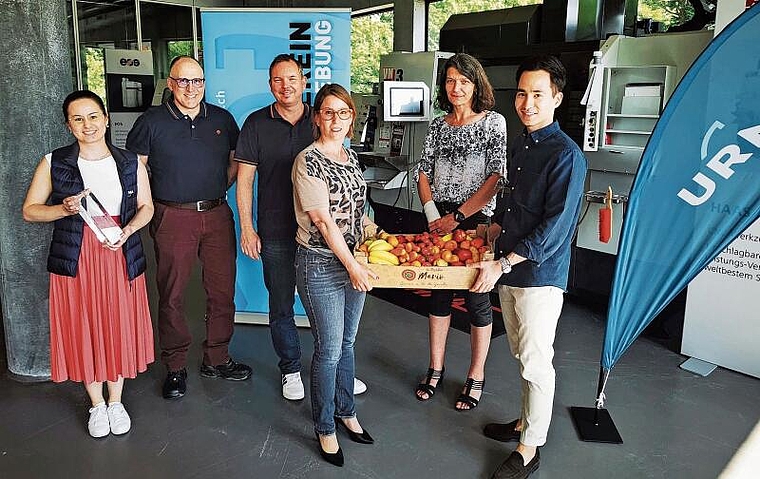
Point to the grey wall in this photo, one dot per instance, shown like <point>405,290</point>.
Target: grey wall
<point>34,52</point>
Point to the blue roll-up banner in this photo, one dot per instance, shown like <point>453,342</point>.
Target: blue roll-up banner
<point>698,184</point>
<point>238,46</point>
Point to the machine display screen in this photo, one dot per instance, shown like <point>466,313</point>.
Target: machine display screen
<point>406,101</point>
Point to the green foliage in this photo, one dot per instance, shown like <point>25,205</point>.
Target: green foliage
<point>94,71</point>
<point>371,37</point>
<point>669,12</point>
<point>180,48</point>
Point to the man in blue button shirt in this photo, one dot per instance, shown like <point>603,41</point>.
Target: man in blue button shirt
<point>532,241</point>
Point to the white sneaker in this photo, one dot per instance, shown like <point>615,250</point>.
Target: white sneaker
<point>119,419</point>
<point>98,422</point>
<point>359,387</point>
<point>292,387</point>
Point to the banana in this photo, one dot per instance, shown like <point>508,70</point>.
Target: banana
<point>380,245</point>
<point>380,261</point>
<point>384,256</point>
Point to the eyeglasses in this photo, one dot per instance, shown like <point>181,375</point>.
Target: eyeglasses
<point>79,120</point>
<point>185,82</point>
<point>343,114</point>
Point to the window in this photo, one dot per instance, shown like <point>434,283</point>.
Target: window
<point>371,37</point>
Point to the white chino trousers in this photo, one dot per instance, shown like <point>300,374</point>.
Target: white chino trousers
<point>530,318</point>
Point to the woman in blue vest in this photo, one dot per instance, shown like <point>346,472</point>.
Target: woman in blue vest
<point>100,328</point>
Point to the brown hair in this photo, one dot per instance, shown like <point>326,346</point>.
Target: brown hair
<point>333,89</point>
<point>469,66</point>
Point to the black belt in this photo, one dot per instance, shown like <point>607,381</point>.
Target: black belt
<point>202,205</point>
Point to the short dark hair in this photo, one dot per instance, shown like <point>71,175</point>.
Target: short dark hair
<point>282,58</point>
<point>551,65</point>
<point>469,66</point>
<point>333,89</point>
<point>78,95</point>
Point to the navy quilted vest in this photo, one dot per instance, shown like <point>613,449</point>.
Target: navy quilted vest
<point>67,231</point>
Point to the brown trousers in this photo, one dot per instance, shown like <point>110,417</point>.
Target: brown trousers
<point>180,237</point>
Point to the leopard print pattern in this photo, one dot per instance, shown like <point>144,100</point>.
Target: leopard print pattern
<point>348,193</point>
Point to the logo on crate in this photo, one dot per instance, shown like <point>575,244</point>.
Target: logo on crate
<point>408,274</point>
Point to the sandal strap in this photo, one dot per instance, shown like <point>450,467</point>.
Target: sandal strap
<point>427,389</point>
<point>469,400</point>
<point>473,384</point>
<point>434,374</point>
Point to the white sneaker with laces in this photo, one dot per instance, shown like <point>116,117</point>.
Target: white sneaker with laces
<point>98,422</point>
<point>292,387</point>
<point>359,387</point>
<point>118,418</point>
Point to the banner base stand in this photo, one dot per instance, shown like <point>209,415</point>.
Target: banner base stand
<point>595,425</point>
<point>697,366</point>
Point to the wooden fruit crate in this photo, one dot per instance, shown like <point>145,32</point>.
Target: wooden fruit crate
<point>424,277</point>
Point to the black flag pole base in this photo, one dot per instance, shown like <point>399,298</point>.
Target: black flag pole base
<point>595,425</point>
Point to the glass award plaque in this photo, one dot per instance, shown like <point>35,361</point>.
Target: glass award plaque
<point>98,219</point>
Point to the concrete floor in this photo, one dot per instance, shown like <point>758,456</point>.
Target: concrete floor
<point>674,424</point>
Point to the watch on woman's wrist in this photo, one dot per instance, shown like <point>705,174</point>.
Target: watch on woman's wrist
<point>506,266</point>
<point>459,216</point>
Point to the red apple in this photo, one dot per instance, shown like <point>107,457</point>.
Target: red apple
<point>463,254</point>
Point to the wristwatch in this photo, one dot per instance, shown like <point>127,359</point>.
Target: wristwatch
<point>459,216</point>
<point>506,266</point>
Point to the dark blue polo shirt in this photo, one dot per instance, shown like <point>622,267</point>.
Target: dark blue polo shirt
<point>546,175</point>
<point>188,158</point>
<point>271,143</point>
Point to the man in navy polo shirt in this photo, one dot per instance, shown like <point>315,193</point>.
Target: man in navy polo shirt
<point>269,142</point>
<point>188,146</point>
<point>533,237</point>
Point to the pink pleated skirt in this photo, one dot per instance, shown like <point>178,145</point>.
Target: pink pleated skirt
<point>100,325</point>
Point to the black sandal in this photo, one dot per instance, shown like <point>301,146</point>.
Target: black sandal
<point>469,386</point>
<point>425,387</point>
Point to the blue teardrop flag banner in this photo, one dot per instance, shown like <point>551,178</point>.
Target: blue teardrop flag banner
<point>697,186</point>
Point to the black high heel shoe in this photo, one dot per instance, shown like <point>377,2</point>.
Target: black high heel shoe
<point>334,458</point>
<point>465,398</point>
<point>363,438</point>
<point>425,387</point>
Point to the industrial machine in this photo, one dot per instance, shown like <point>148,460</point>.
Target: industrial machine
<point>401,116</point>
<point>631,80</point>
<point>618,84</point>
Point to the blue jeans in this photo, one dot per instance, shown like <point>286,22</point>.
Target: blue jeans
<point>334,309</point>
<point>278,262</point>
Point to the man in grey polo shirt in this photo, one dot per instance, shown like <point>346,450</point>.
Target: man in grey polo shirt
<point>188,146</point>
<point>269,141</point>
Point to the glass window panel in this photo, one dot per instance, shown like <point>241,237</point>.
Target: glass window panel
<point>371,37</point>
<point>103,25</point>
<point>168,29</point>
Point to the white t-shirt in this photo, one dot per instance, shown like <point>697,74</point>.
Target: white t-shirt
<point>102,178</point>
